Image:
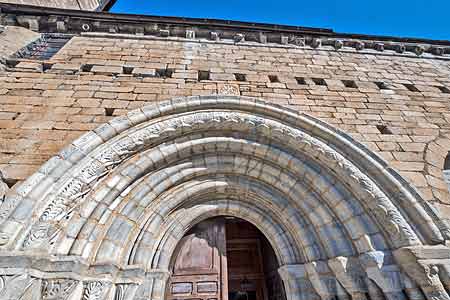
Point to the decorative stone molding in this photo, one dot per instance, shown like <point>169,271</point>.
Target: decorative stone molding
<point>427,266</point>
<point>57,289</point>
<point>365,277</point>
<point>16,285</point>
<point>73,192</point>
<point>48,20</point>
<point>110,209</point>
<point>94,290</point>
<point>349,273</point>
<point>3,187</point>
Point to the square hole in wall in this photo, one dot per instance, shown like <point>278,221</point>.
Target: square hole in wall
<point>86,67</point>
<point>350,84</point>
<point>11,63</point>
<point>10,182</point>
<point>164,73</point>
<point>203,75</point>
<point>383,129</point>
<point>274,78</point>
<point>319,81</point>
<point>411,87</point>
<point>300,80</point>
<point>240,77</point>
<point>109,111</point>
<point>128,70</point>
<point>381,85</point>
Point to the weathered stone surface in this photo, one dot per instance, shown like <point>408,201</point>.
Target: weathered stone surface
<point>12,39</point>
<point>332,154</point>
<point>67,4</point>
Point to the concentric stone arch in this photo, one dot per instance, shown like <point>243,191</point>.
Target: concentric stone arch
<point>118,199</point>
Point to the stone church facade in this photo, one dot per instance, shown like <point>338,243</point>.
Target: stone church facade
<point>119,134</point>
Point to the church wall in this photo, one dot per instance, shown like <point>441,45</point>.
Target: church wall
<point>67,4</point>
<point>86,85</point>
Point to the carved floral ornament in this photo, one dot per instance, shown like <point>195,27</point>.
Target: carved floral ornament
<point>159,146</point>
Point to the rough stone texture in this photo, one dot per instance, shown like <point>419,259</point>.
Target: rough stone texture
<point>43,112</point>
<point>116,202</point>
<point>128,173</point>
<point>67,4</point>
<point>12,39</point>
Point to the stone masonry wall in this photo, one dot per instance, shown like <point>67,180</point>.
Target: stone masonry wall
<point>12,39</point>
<point>41,112</point>
<point>67,4</point>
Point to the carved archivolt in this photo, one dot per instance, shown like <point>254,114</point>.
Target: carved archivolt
<point>72,193</point>
<point>125,193</point>
<point>57,289</point>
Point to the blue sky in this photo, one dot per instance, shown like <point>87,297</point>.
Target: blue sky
<point>403,18</point>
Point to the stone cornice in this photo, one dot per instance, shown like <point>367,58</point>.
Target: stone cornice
<point>49,20</point>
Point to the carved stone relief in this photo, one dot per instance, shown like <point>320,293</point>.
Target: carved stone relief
<point>57,289</point>
<point>73,192</point>
<point>95,290</point>
<point>369,274</point>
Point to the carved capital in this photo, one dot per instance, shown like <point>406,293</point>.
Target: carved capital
<point>422,264</point>
<point>57,289</point>
<point>348,272</point>
<point>324,282</point>
<point>95,290</point>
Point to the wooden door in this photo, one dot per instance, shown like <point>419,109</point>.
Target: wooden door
<point>199,268</point>
<point>246,278</point>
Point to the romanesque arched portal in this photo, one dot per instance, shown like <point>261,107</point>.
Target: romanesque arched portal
<point>102,219</point>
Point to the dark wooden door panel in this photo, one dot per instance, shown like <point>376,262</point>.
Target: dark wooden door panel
<point>199,267</point>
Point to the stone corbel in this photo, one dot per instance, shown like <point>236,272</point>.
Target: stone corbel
<point>324,283</point>
<point>387,277</point>
<point>424,264</point>
<point>347,271</point>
